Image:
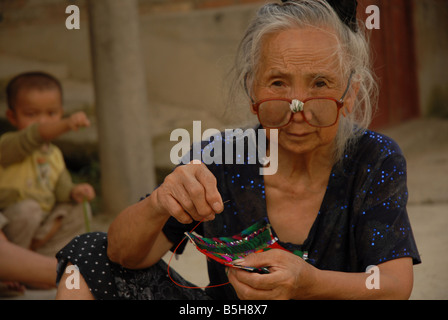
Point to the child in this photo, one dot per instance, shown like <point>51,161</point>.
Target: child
<point>40,207</point>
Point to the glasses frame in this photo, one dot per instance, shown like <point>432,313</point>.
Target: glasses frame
<point>339,105</point>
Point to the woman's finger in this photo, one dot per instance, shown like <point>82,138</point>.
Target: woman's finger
<point>197,194</point>
<point>191,190</point>
<point>177,211</point>
<point>245,289</point>
<point>212,195</point>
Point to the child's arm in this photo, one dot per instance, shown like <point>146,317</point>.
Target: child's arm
<point>52,130</point>
<point>17,145</point>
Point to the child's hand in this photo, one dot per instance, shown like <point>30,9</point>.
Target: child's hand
<point>78,120</point>
<point>51,130</point>
<point>83,191</point>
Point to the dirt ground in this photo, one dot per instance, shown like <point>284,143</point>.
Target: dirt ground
<point>425,144</point>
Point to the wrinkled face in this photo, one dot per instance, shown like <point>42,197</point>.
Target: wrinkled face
<point>299,64</point>
<point>33,106</point>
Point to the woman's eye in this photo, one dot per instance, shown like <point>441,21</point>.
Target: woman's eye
<point>321,84</point>
<point>277,83</point>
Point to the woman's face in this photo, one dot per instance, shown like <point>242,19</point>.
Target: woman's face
<point>299,64</point>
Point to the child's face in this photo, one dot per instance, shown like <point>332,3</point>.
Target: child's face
<point>33,106</point>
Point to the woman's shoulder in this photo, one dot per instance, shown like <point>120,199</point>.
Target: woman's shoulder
<point>371,153</point>
<point>375,145</point>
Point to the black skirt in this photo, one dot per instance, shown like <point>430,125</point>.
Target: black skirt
<point>110,281</point>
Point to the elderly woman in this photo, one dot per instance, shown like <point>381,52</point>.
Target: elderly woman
<point>337,202</point>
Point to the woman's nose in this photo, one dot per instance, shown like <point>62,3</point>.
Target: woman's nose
<point>298,117</point>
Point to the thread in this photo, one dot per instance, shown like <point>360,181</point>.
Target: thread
<point>181,285</point>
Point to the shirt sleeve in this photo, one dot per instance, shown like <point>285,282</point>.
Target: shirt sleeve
<point>383,231</point>
<point>64,187</point>
<point>16,146</point>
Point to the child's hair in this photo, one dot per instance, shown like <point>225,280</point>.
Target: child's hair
<point>30,80</point>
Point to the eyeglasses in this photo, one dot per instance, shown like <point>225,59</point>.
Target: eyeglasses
<point>318,112</point>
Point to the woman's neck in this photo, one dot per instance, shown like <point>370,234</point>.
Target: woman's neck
<point>308,168</point>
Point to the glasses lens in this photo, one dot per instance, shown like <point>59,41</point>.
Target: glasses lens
<point>318,113</point>
<point>321,112</point>
<point>275,113</point>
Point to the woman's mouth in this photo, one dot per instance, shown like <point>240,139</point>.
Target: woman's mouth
<point>298,134</point>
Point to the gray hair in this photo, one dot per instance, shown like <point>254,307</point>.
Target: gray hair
<point>353,54</point>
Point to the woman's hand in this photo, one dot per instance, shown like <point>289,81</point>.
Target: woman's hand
<point>135,237</point>
<point>289,278</point>
<point>189,193</point>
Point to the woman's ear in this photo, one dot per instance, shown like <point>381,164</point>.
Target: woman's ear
<point>252,109</point>
<point>350,99</point>
<point>248,92</point>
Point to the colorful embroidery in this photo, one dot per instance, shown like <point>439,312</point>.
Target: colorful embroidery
<point>226,250</point>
